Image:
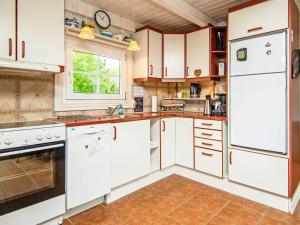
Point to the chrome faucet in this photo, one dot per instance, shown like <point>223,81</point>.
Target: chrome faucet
<point>111,110</point>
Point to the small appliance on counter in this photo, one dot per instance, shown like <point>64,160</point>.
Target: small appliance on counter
<point>208,106</point>
<point>220,106</point>
<point>170,105</point>
<point>195,90</point>
<point>139,104</point>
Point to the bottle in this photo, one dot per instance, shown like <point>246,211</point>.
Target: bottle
<point>207,106</point>
<point>121,111</point>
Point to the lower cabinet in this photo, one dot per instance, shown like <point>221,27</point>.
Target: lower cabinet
<point>130,151</point>
<point>168,143</point>
<point>184,142</point>
<point>209,161</point>
<point>260,171</point>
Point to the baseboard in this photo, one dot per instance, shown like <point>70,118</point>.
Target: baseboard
<point>295,199</point>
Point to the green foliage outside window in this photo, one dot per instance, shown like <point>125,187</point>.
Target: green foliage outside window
<point>94,74</point>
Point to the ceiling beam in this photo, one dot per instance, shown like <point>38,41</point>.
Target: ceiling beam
<point>187,11</point>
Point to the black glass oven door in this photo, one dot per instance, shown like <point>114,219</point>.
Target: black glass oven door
<point>30,175</point>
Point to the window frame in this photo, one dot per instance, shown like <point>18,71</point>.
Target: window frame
<point>99,51</point>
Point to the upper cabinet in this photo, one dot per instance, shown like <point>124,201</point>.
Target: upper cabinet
<point>36,40</point>
<point>148,61</point>
<point>41,31</point>
<point>260,18</point>
<point>8,31</point>
<point>197,53</point>
<point>174,56</point>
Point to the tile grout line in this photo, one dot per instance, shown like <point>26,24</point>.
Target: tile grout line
<point>215,214</point>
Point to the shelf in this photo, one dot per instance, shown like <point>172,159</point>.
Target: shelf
<point>146,79</point>
<point>203,79</point>
<point>189,99</point>
<point>98,37</point>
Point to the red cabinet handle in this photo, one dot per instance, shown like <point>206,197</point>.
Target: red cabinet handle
<point>207,154</point>
<point>207,144</point>
<point>254,29</point>
<point>206,124</point>
<point>205,134</point>
<point>230,158</point>
<point>10,47</point>
<point>151,70</point>
<point>23,49</point>
<point>187,71</point>
<point>166,72</point>
<point>164,126</point>
<point>115,133</point>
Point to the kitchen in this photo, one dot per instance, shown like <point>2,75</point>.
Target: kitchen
<point>149,112</point>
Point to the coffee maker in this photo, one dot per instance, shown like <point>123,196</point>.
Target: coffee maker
<point>220,105</point>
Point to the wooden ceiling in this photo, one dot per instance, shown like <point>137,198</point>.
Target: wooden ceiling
<point>149,13</point>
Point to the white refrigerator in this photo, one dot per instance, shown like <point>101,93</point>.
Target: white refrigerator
<point>258,93</point>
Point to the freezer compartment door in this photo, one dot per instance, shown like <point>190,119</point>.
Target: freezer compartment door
<point>258,112</point>
<point>266,54</point>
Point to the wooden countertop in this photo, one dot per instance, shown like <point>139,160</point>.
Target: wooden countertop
<point>136,117</point>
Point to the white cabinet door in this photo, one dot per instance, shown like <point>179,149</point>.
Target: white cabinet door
<point>265,172</point>
<point>140,61</point>
<point>168,144</point>
<point>8,29</point>
<point>198,52</point>
<point>184,142</point>
<point>174,56</point>
<point>155,54</point>
<point>260,18</point>
<point>41,31</point>
<point>130,151</point>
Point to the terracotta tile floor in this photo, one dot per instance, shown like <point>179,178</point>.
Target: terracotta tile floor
<point>176,200</point>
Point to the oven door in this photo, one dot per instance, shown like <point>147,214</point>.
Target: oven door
<point>30,175</point>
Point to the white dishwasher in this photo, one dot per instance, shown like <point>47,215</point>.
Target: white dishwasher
<point>88,163</point>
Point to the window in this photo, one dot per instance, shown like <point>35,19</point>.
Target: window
<point>94,74</point>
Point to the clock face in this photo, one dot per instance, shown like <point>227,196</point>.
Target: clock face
<point>102,19</point>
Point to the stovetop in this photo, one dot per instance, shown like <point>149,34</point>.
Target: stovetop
<point>21,124</point>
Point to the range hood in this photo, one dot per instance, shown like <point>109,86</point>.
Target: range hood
<point>17,67</point>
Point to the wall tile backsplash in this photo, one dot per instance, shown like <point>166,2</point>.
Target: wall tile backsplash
<point>32,98</point>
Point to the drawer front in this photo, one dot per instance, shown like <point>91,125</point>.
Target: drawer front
<point>257,19</point>
<point>208,124</point>
<point>208,134</point>
<point>210,144</point>
<point>208,161</point>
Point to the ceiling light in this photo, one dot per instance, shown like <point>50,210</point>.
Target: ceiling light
<point>133,46</point>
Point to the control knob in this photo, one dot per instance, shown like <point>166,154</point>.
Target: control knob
<point>8,141</point>
<point>39,137</point>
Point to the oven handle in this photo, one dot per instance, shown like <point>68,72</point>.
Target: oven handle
<point>30,150</point>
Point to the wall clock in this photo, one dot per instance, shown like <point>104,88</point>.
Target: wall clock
<point>102,19</point>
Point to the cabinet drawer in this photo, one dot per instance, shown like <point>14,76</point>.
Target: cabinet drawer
<point>260,171</point>
<point>208,134</point>
<point>208,124</point>
<point>208,161</point>
<point>210,144</point>
<point>260,18</point>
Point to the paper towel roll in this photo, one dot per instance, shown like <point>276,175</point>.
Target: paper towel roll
<point>154,103</point>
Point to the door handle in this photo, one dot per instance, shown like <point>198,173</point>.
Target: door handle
<point>205,134</point>
<point>166,72</point>
<point>115,133</point>
<point>23,49</point>
<point>254,29</point>
<point>207,154</point>
<point>151,69</point>
<point>230,158</point>
<point>9,47</point>
<point>206,124</point>
<point>207,144</point>
<point>164,126</point>
<point>187,71</point>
